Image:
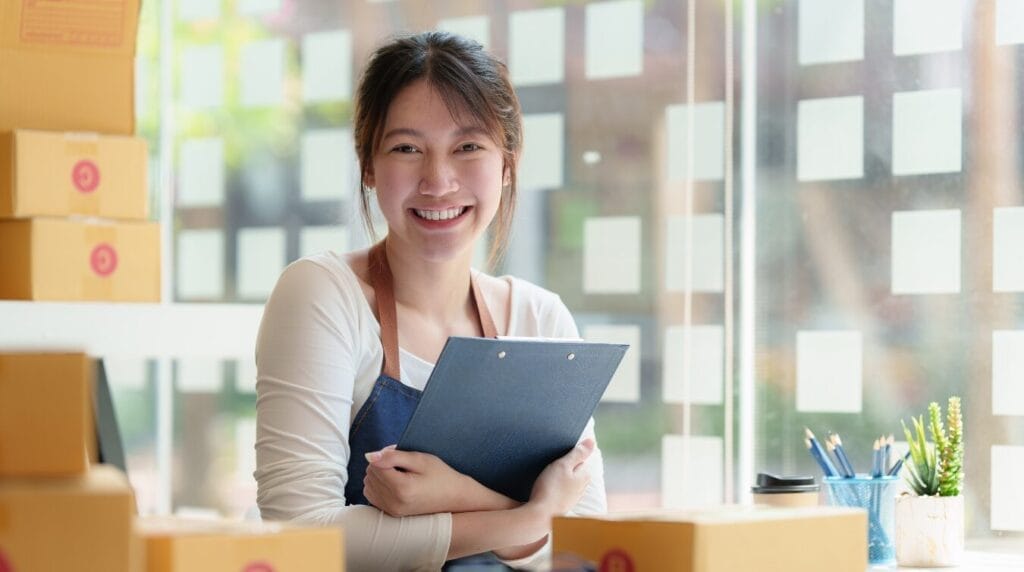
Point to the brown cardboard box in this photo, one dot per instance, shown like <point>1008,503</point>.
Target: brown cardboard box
<point>46,420</point>
<point>44,173</point>
<point>176,545</point>
<point>727,539</point>
<point>60,259</point>
<point>72,523</point>
<point>68,66</point>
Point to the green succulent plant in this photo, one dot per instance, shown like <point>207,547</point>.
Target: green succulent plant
<point>936,468</point>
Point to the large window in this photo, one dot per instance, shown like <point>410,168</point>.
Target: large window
<point>883,187</point>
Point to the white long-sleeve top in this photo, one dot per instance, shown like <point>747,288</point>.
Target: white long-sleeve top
<point>318,355</point>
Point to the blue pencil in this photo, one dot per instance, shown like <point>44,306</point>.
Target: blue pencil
<point>819,454</point>
<point>837,448</point>
<point>823,462</point>
<point>895,470</point>
<point>876,460</point>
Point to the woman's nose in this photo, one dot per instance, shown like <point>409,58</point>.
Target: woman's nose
<point>438,176</point>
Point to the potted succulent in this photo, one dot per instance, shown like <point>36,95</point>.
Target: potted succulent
<point>930,522</point>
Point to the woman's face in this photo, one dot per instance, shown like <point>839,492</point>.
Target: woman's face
<point>438,181</point>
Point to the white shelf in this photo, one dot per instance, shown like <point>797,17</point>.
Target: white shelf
<point>131,330</point>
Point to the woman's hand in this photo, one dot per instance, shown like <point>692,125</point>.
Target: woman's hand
<point>404,483</point>
<point>563,482</point>
<point>557,489</point>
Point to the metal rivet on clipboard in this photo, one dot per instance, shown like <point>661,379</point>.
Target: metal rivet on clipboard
<point>501,355</point>
<point>571,357</point>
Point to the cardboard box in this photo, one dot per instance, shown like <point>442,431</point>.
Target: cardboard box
<point>727,539</point>
<point>176,545</point>
<point>73,523</point>
<point>46,418</point>
<point>68,66</point>
<point>61,259</point>
<point>45,173</point>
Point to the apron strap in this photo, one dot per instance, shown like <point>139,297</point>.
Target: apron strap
<point>382,282</point>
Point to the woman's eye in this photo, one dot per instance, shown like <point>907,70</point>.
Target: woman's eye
<point>404,149</point>
<point>469,147</point>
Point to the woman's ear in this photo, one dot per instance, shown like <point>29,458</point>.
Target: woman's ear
<point>506,176</point>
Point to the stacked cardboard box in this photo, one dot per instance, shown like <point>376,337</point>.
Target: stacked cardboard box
<point>721,539</point>
<point>73,197</point>
<point>57,512</point>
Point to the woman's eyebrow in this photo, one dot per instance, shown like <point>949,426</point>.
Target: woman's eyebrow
<point>460,132</point>
<point>402,131</point>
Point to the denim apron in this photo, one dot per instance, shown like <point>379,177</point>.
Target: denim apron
<point>388,409</point>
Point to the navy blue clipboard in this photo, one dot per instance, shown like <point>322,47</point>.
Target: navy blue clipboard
<point>501,410</point>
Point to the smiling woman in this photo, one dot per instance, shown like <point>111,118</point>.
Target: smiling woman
<point>348,342</point>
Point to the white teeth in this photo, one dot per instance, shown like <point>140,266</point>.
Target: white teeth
<point>440,215</point>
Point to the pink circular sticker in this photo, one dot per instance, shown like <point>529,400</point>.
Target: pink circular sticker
<point>616,560</point>
<point>85,176</point>
<point>253,567</point>
<point>103,260</point>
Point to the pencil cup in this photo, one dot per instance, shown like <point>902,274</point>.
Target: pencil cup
<point>878,498</point>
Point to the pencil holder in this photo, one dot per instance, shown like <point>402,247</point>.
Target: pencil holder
<point>878,497</point>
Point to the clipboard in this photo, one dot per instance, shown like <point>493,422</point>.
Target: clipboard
<point>501,410</point>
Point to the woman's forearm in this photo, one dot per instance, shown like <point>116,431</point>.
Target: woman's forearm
<point>524,527</point>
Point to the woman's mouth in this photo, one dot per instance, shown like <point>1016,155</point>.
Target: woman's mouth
<point>440,215</point>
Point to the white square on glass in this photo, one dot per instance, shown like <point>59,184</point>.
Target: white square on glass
<point>245,375</point>
<point>327,66</point>
<point>1007,372</point>
<point>705,253</point>
<point>1007,509</point>
<point>926,132</point>
<point>261,258</point>
<point>202,173</point>
<point>692,471</point>
<point>926,26</point>
<point>126,372</point>
<point>709,138</point>
<point>625,385</point>
<point>831,31</point>
<point>317,239</point>
<point>196,10</point>
<point>541,166</point>
<point>614,42</point>
<point>830,139</point>
<point>705,367</point>
<point>258,7</point>
<point>611,255</point>
<point>926,252</point>
<point>202,77</point>
<point>1009,22</point>
<point>200,375</point>
<point>200,264</point>
<point>262,73</point>
<point>537,46</point>
<point>1008,250</point>
<point>477,28</point>
<point>245,448</point>
<point>829,367</point>
<point>327,165</point>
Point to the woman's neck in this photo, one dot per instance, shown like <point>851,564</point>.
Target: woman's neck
<point>436,290</point>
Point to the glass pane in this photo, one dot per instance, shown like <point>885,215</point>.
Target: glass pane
<point>888,181</point>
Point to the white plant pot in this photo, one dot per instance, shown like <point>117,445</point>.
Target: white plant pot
<point>929,530</point>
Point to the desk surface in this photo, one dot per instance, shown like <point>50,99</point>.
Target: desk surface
<point>988,555</point>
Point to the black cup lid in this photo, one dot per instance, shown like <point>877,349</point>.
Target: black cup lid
<point>773,484</point>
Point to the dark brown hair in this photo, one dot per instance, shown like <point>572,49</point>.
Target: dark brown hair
<point>473,85</point>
